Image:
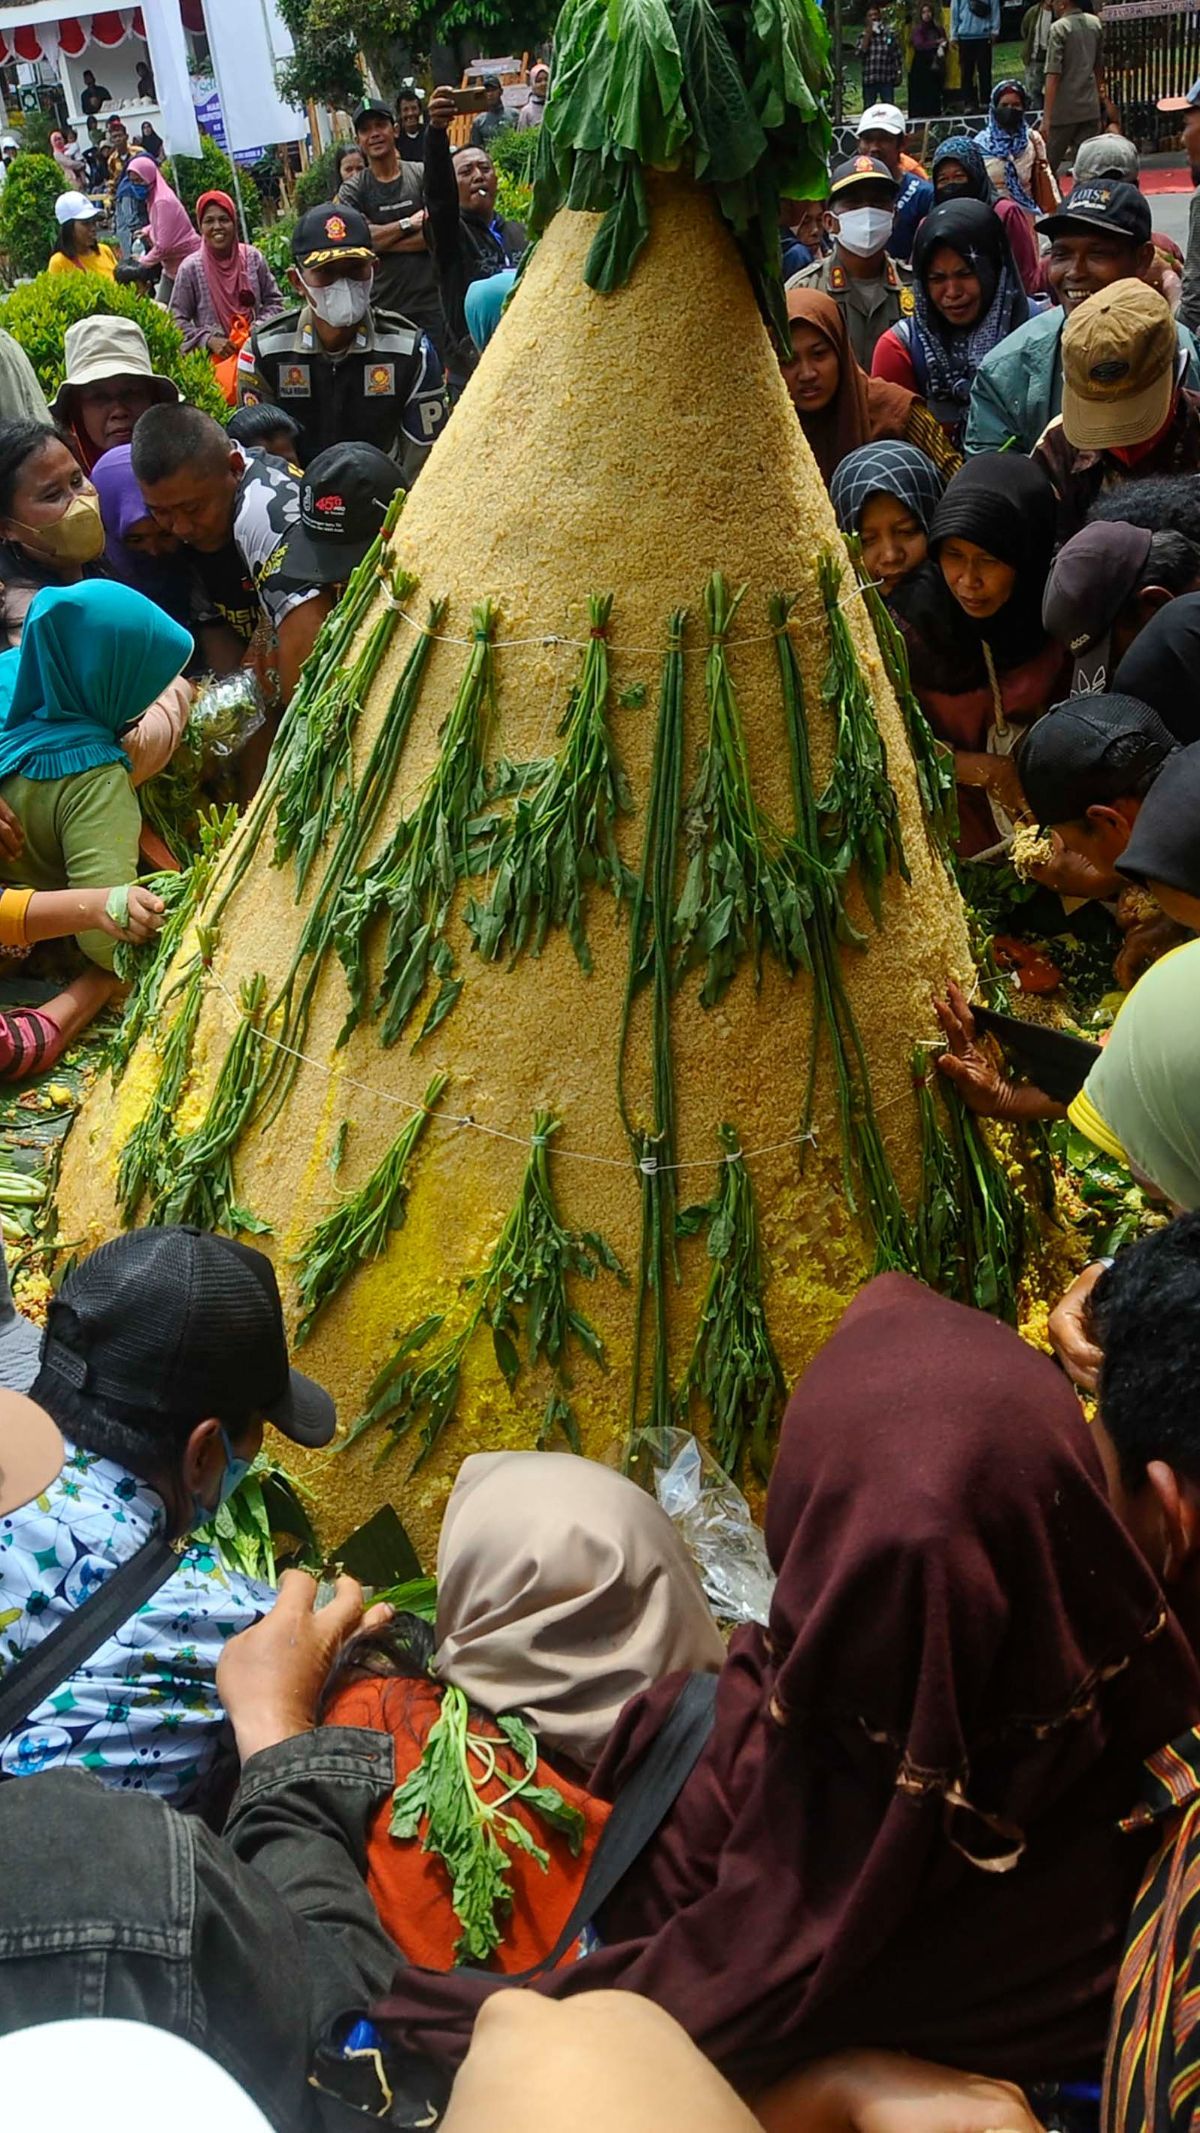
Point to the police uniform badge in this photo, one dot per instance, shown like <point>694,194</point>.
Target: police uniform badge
<point>335,229</point>
<point>837,280</point>
<point>295,381</point>
<point>380,382</point>
<point>908,302</point>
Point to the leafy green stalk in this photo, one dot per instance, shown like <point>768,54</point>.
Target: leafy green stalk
<point>429,854</point>
<point>743,891</point>
<point>733,1364</point>
<point>197,1184</point>
<point>333,905</point>
<point>650,963</point>
<point>932,760</point>
<point>147,964</point>
<point>359,1227</point>
<point>735,95</point>
<point>522,1291</point>
<point>864,820</point>
<point>866,1170</point>
<point>445,1798</point>
<point>562,833</point>
<point>319,787</point>
<point>147,1157</point>
<point>329,653</point>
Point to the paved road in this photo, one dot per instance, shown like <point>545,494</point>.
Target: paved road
<point>1170,212</point>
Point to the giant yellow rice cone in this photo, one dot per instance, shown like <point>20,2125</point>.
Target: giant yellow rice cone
<point>630,444</point>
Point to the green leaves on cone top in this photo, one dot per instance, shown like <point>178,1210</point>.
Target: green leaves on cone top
<point>731,92</point>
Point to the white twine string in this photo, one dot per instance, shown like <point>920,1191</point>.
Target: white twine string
<point>648,1164</point>
<point>580,644</point>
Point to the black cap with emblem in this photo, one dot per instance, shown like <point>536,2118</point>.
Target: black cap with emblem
<point>328,232</point>
<point>343,502</point>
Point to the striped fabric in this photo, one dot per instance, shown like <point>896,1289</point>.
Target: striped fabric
<point>1152,2076</point>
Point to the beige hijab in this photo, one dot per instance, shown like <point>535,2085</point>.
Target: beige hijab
<point>563,1589</point>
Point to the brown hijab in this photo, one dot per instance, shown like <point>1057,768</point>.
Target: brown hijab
<point>903,1831</point>
<point>863,409</point>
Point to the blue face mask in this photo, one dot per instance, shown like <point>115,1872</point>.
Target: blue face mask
<point>235,1473</point>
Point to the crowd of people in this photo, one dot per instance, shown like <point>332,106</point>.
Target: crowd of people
<point>920,1851</point>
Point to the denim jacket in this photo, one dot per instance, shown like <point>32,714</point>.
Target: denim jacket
<point>248,1945</point>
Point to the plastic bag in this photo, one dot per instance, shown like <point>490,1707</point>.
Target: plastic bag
<point>715,1525</point>
<point>226,710</point>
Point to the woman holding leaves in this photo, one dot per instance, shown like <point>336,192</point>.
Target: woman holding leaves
<point>93,657</point>
<point>563,1590</point>
<point>903,1831</point>
<point>983,667</point>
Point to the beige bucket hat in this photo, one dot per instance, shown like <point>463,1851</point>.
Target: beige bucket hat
<point>108,347</point>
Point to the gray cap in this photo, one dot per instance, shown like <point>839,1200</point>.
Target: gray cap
<point>1106,155</point>
<point>20,1339</point>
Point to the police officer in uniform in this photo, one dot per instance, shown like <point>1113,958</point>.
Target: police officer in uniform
<point>872,291</point>
<point>341,369</point>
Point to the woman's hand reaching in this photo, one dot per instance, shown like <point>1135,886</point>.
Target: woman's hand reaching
<point>145,914</point>
<point>984,1088</point>
<point>270,1677</point>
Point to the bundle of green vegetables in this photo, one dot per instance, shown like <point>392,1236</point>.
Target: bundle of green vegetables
<point>732,91</point>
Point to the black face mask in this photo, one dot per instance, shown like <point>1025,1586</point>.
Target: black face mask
<point>958,189</point>
<point>1008,119</point>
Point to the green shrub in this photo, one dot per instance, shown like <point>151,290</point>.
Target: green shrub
<point>513,200</point>
<point>28,231</point>
<point>36,131</point>
<point>38,314</point>
<point>319,181</point>
<point>513,154</point>
<point>211,172</point>
<point>275,244</point>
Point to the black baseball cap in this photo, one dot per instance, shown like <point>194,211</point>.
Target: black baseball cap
<point>343,502</point>
<point>1120,209</point>
<point>1093,576</point>
<point>330,232</point>
<point>373,108</point>
<point>861,170</point>
<point>1088,753</point>
<point>177,1321</point>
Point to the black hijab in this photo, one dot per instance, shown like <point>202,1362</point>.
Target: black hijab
<point>1005,504</point>
<point>1162,667</point>
<point>1164,844</point>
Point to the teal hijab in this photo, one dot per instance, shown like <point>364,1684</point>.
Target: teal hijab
<point>91,658</point>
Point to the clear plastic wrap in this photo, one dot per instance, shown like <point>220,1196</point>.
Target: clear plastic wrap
<point>714,1522</point>
<point>226,710</point>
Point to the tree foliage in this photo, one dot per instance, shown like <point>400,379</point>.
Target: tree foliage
<point>210,171</point>
<point>28,231</point>
<point>395,37</point>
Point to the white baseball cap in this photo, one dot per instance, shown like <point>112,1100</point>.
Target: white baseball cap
<point>882,118</point>
<point>75,207</point>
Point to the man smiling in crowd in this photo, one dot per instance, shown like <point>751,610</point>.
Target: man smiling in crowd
<point>1100,236</point>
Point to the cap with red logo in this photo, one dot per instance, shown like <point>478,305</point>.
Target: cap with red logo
<point>861,170</point>
<point>330,232</point>
<point>343,501</point>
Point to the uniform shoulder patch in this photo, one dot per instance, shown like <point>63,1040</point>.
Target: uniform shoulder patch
<point>908,302</point>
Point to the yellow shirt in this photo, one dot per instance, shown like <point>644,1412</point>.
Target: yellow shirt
<point>102,261</point>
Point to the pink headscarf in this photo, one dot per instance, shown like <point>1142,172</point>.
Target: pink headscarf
<point>228,279</point>
<point>171,234</point>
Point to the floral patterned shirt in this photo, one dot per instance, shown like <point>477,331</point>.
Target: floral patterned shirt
<point>143,1713</point>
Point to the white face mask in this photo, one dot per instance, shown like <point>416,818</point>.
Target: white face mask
<point>865,230</point>
<point>343,303</point>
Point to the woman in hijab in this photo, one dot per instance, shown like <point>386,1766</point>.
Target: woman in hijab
<point>136,550</point>
<point>225,288</point>
<point>1141,1100</point>
<point>886,495</point>
<point>968,298</point>
<point>172,237</point>
<point>68,159</point>
<point>927,63</point>
<point>563,1590</point>
<point>92,657</point>
<point>904,1828</point>
<point>982,664</point>
<point>1162,665</point>
<point>839,407</point>
<point>959,172</point>
<point>1017,161</point>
